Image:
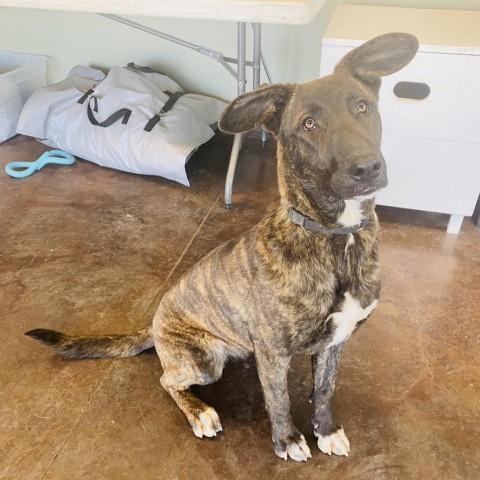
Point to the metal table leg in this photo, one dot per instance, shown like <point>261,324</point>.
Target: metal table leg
<point>241,80</point>
<point>257,62</point>
<point>257,53</point>
<point>237,145</point>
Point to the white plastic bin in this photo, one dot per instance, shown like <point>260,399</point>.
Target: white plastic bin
<point>20,75</point>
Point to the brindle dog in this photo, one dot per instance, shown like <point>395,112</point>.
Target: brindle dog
<point>301,280</point>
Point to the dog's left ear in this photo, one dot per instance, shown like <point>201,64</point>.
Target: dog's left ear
<point>380,56</point>
<point>264,106</point>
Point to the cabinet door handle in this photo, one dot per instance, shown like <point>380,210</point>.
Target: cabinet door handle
<point>411,90</point>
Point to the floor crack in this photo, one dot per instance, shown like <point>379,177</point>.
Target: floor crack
<point>80,417</point>
<point>155,299</point>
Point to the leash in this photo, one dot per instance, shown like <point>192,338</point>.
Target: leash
<point>308,224</point>
<point>25,169</point>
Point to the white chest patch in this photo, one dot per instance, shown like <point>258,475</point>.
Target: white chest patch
<point>346,320</point>
<point>352,214</point>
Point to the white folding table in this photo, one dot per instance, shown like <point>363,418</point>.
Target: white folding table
<point>288,12</point>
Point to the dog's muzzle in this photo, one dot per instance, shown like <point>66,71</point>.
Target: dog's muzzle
<point>360,176</point>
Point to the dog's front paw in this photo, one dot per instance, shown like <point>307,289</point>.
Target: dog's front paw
<point>294,446</point>
<point>336,443</point>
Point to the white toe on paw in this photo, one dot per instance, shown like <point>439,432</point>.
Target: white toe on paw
<point>207,424</point>
<point>298,451</point>
<point>283,455</point>
<point>197,429</point>
<point>336,443</point>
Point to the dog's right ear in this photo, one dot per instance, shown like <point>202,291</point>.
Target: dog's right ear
<point>264,106</point>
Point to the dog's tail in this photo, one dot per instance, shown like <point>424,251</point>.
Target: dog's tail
<point>101,346</point>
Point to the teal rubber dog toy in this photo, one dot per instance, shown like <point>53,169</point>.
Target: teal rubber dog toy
<point>25,169</point>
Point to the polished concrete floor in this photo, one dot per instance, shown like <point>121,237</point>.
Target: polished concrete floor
<point>87,249</point>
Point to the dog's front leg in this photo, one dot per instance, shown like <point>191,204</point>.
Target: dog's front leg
<point>331,437</point>
<point>273,372</point>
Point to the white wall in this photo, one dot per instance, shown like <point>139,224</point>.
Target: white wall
<point>292,52</point>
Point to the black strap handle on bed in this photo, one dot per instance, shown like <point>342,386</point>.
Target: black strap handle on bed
<point>123,113</point>
<point>173,97</point>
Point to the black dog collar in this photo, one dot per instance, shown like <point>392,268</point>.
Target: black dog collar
<point>305,222</point>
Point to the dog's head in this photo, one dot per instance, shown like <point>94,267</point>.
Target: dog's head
<point>328,130</point>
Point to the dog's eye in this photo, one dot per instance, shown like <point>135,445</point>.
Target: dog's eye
<point>309,124</point>
<point>362,107</point>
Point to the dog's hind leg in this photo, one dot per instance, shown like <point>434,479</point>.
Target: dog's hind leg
<point>331,437</point>
<point>191,358</point>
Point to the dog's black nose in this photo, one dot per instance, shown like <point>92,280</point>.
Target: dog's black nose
<point>366,170</point>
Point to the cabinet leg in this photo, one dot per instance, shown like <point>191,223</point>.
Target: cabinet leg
<point>454,223</point>
<point>476,213</point>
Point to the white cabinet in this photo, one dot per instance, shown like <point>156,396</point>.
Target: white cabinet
<point>431,145</point>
